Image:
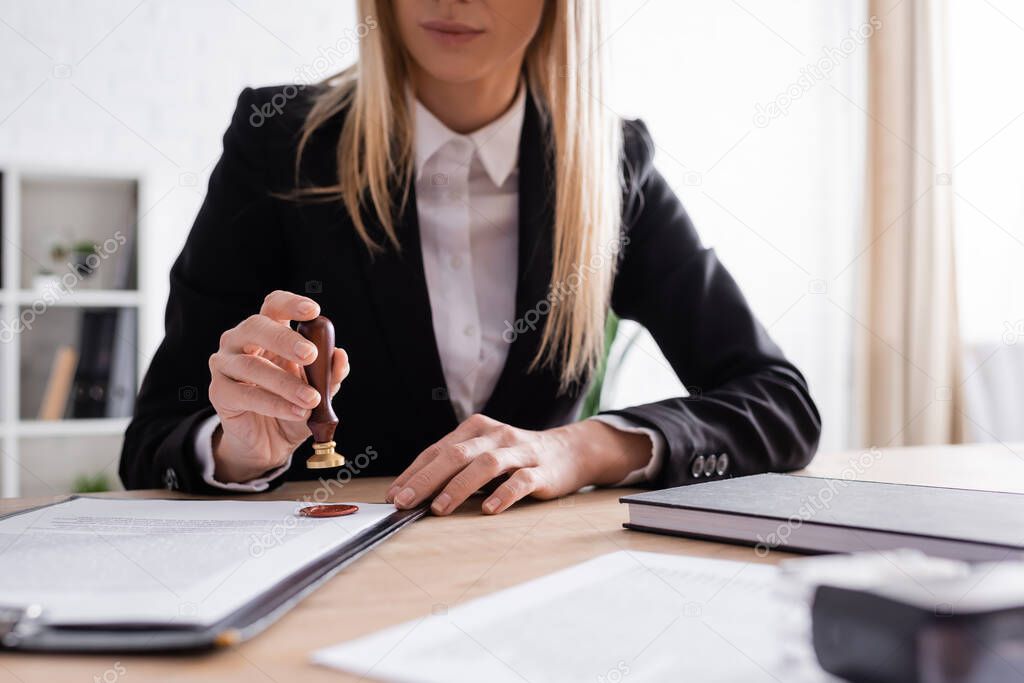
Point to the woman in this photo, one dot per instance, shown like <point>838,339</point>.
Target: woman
<point>466,210</point>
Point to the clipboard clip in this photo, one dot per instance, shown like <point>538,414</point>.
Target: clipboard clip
<point>17,623</point>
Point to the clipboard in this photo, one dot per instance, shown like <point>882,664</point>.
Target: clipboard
<point>24,628</point>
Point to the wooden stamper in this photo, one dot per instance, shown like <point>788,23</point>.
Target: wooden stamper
<point>322,421</point>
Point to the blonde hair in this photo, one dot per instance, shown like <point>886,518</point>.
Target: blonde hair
<point>563,68</point>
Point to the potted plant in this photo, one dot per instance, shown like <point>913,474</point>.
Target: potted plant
<point>76,256</point>
<point>91,483</point>
<point>45,280</point>
<point>592,402</point>
<point>80,253</point>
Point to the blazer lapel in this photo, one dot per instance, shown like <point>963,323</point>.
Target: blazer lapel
<point>397,287</point>
<point>536,222</point>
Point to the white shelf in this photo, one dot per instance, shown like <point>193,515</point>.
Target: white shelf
<point>82,298</point>
<point>26,222</point>
<point>103,426</point>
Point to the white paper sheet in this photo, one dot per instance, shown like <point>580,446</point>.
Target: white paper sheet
<point>95,560</point>
<point>626,616</point>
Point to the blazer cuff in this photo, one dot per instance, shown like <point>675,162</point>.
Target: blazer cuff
<point>204,456</point>
<point>658,446</point>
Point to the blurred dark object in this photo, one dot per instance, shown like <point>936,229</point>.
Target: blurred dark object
<point>963,630</point>
<point>92,377</point>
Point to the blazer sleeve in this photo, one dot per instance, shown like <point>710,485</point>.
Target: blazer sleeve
<point>225,269</point>
<point>749,409</point>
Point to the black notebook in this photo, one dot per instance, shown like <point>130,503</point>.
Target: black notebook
<point>816,515</point>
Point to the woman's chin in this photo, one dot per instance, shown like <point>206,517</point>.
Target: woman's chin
<point>457,69</point>
<point>456,77</point>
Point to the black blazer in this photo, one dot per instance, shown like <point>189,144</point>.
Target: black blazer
<point>747,400</point>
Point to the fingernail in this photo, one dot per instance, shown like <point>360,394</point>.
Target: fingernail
<point>308,395</point>
<point>390,495</point>
<point>491,504</point>
<point>405,497</point>
<point>307,308</point>
<point>441,503</point>
<point>304,350</point>
<point>299,412</point>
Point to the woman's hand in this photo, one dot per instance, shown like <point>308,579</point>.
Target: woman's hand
<point>259,390</point>
<point>545,464</point>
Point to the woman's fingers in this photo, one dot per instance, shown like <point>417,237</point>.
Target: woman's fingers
<point>263,373</point>
<point>429,478</point>
<point>285,306</point>
<point>479,451</point>
<point>287,365</point>
<point>259,332</point>
<point>521,484</point>
<point>233,397</point>
<point>482,469</point>
<point>469,428</point>
<point>339,370</point>
<point>453,458</point>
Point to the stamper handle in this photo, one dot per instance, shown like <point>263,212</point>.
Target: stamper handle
<point>322,420</point>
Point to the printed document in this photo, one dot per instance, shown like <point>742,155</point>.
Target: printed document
<point>162,562</point>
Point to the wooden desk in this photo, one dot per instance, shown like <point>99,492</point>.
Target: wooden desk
<point>439,562</point>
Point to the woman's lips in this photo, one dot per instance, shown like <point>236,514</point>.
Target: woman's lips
<point>450,32</point>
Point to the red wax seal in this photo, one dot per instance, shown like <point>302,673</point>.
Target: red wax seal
<point>331,510</point>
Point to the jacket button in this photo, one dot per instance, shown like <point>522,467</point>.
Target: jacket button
<point>171,479</point>
<point>709,465</point>
<point>697,466</point>
<point>723,464</point>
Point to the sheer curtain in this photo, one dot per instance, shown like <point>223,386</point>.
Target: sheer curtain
<point>908,360</point>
